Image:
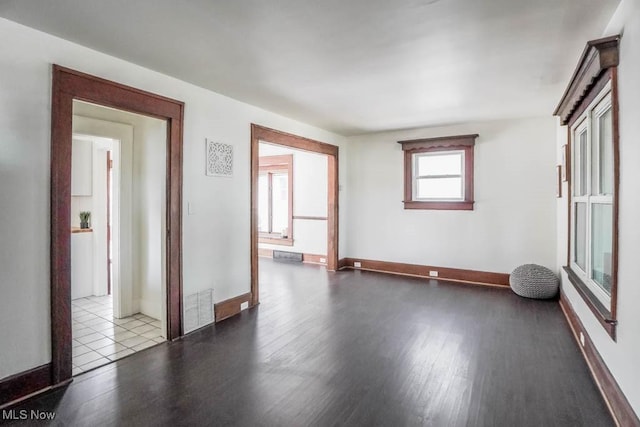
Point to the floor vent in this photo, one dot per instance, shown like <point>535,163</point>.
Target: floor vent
<point>287,256</point>
<point>198,310</point>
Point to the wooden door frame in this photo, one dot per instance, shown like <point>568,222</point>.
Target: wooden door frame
<point>261,133</point>
<point>69,85</point>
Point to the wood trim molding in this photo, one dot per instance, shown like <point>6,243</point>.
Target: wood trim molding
<point>24,384</point>
<point>67,86</point>
<point>618,404</point>
<point>273,136</point>
<point>597,56</point>
<point>444,206</point>
<point>342,264</point>
<point>443,143</point>
<point>267,135</point>
<point>230,307</point>
<point>451,274</point>
<point>601,313</point>
<point>310,218</point>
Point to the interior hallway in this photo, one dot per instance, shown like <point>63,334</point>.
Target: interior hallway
<point>352,348</point>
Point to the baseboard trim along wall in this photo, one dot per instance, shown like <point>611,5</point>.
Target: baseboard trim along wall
<point>452,274</point>
<point>229,308</point>
<point>306,258</point>
<point>616,401</point>
<point>24,384</point>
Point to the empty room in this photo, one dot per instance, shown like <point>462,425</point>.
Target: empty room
<point>418,212</point>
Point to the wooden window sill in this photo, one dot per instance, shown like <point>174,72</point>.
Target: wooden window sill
<point>448,206</point>
<point>597,308</point>
<point>276,240</point>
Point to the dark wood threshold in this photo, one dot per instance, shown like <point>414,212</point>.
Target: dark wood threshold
<point>230,307</point>
<point>616,401</point>
<point>452,274</point>
<point>445,206</point>
<point>600,311</point>
<point>24,384</point>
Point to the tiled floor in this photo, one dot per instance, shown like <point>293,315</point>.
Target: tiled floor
<point>99,338</point>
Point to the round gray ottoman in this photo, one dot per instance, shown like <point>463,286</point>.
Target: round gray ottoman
<point>534,281</point>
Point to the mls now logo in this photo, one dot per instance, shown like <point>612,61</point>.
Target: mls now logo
<point>24,414</point>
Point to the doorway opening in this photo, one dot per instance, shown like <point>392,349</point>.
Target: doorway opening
<point>280,163</point>
<point>70,86</point>
<point>117,261</point>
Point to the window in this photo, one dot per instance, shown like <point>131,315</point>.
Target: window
<point>591,246</point>
<point>589,107</point>
<point>275,200</point>
<point>439,173</point>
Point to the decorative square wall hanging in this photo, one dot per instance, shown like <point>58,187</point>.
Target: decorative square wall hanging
<point>219,159</point>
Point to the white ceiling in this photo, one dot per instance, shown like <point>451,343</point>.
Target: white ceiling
<point>353,66</point>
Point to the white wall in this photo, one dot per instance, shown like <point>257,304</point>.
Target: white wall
<point>216,236</point>
<point>622,356</point>
<point>513,221</point>
<point>310,192</point>
<point>149,213</point>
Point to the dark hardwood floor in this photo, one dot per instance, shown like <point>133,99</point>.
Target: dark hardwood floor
<point>351,348</point>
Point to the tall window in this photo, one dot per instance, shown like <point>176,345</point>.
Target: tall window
<point>275,200</point>
<point>439,173</point>
<point>593,192</point>
<point>589,107</point>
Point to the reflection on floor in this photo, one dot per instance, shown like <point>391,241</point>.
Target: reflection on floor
<point>99,338</point>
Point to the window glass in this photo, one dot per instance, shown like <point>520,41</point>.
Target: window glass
<point>582,164</point>
<point>601,245</point>
<point>439,164</point>
<point>439,188</point>
<point>605,136</point>
<point>263,203</point>
<point>580,235</point>
<point>280,203</point>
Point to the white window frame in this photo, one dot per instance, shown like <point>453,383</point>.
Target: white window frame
<point>588,121</point>
<point>416,158</point>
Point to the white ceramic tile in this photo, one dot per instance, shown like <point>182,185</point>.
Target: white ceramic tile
<point>111,349</point>
<point>156,323</point>
<point>144,345</point>
<point>86,358</point>
<point>133,324</point>
<point>81,349</point>
<point>92,337</point>
<point>158,339</point>
<point>121,354</point>
<point>84,317</point>
<point>123,321</point>
<point>96,322</point>
<point>76,343</point>
<point>104,326</point>
<point>94,364</point>
<point>121,336</point>
<point>100,343</point>
<point>75,371</point>
<point>133,341</point>
<point>142,329</point>
<point>154,333</point>
<point>111,333</point>
<point>78,333</point>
